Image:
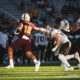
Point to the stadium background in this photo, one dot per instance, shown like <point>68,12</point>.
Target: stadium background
<point>42,12</point>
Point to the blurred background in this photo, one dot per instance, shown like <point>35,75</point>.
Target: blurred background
<point>42,13</point>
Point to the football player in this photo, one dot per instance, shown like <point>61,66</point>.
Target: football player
<point>42,46</point>
<point>78,51</point>
<point>64,25</point>
<point>78,65</point>
<point>23,30</point>
<point>62,45</point>
<point>36,45</point>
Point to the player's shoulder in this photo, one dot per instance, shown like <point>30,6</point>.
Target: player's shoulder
<point>31,24</point>
<point>55,31</point>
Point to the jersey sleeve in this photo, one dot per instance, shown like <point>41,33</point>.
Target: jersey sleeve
<point>32,25</point>
<point>53,32</point>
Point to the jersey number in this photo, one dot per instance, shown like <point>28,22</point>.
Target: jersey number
<point>27,29</point>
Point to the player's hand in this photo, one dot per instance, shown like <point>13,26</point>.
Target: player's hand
<point>54,49</point>
<point>43,30</point>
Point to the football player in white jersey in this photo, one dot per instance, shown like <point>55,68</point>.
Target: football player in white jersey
<point>64,26</point>
<point>62,46</point>
<point>42,46</point>
<point>78,51</point>
<point>36,45</point>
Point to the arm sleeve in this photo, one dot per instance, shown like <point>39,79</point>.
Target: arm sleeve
<point>53,32</point>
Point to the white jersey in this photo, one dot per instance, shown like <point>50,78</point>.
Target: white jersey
<point>61,35</point>
<point>42,39</point>
<point>3,39</point>
<point>36,39</point>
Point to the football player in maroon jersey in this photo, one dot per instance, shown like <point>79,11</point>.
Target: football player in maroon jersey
<point>23,30</point>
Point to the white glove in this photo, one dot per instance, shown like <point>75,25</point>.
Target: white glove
<point>25,37</point>
<point>54,49</point>
<point>43,30</point>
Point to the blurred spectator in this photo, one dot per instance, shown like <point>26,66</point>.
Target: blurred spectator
<point>64,10</point>
<point>46,4</point>
<point>34,14</point>
<point>49,11</point>
<point>22,6</point>
<point>1,18</point>
<point>58,19</point>
<point>48,56</point>
<point>53,8</point>
<point>40,4</point>
<point>71,8</point>
<point>33,1</point>
<point>68,9</point>
<point>77,8</point>
<point>3,43</point>
<point>43,19</point>
<point>42,46</point>
<point>63,17</point>
<point>36,45</point>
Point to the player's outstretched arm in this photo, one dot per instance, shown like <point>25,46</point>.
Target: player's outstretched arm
<point>56,37</point>
<point>40,29</point>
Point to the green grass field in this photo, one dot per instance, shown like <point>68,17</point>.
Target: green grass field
<point>45,73</point>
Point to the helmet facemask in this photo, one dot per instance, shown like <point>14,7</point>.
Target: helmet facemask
<point>65,26</point>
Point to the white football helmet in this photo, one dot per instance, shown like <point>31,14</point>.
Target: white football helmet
<point>25,17</point>
<point>64,24</point>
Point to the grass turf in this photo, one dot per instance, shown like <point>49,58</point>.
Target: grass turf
<point>45,73</point>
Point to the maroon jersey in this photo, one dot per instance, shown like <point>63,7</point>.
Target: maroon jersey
<point>27,28</point>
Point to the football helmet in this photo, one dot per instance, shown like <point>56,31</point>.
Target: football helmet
<point>64,25</point>
<point>25,16</point>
